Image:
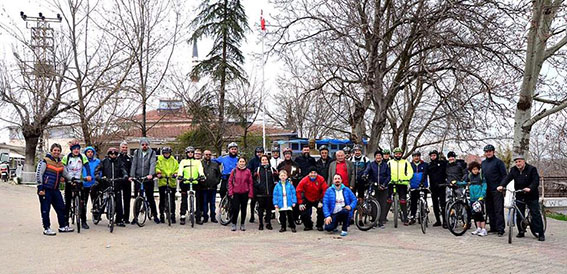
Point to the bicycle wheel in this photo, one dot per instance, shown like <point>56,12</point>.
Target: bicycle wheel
<point>110,211</point>
<point>96,211</point>
<point>396,210</point>
<point>140,211</point>
<point>459,218</point>
<point>511,223</point>
<point>168,209</point>
<point>423,215</point>
<point>224,211</point>
<point>192,210</point>
<point>366,215</point>
<point>77,213</point>
<point>72,211</point>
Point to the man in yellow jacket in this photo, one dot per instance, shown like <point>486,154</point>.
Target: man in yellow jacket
<point>166,170</point>
<point>192,169</point>
<point>401,173</point>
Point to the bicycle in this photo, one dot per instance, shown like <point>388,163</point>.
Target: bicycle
<point>422,208</point>
<point>191,198</point>
<point>398,214</point>
<point>75,211</point>
<point>141,203</point>
<point>105,203</point>
<point>225,214</point>
<point>526,220</point>
<point>367,212</point>
<point>459,212</point>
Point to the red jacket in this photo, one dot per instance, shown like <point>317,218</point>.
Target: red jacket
<point>240,181</point>
<point>311,191</point>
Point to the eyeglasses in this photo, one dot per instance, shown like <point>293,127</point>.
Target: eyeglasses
<point>208,154</point>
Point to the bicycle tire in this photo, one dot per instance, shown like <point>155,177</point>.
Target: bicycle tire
<point>110,212</point>
<point>78,213</point>
<point>72,211</point>
<point>366,215</point>
<point>423,215</point>
<point>168,209</point>
<point>224,211</point>
<point>396,210</point>
<point>96,207</point>
<point>140,211</point>
<point>192,210</point>
<point>459,218</point>
<point>511,222</point>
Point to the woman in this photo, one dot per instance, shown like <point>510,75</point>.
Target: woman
<point>50,171</point>
<point>265,176</point>
<point>240,189</point>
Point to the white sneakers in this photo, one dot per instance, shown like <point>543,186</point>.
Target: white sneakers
<point>476,231</point>
<point>66,229</point>
<point>49,232</point>
<point>480,232</point>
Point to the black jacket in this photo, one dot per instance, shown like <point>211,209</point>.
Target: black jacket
<point>455,172</point>
<point>494,171</point>
<point>113,169</point>
<point>264,181</point>
<point>126,161</point>
<point>437,172</point>
<point>305,163</point>
<point>253,164</point>
<point>212,174</point>
<point>528,177</point>
<point>323,167</point>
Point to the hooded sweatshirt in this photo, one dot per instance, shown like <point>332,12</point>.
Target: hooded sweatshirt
<point>92,168</point>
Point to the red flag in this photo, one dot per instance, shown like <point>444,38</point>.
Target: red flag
<point>262,21</point>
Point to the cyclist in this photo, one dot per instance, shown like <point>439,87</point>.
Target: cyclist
<point>228,163</point>
<point>401,173</point>
<point>494,172</point>
<point>419,179</point>
<point>348,153</point>
<point>50,171</point>
<point>264,177</point>
<point>437,175</point>
<point>253,165</point>
<point>126,185</point>
<point>240,189</point>
<point>74,163</point>
<point>189,168</point>
<point>112,168</point>
<point>338,206</point>
<point>144,165</point>
<point>310,193</point>
<point>275,160</point>
<point>386,155</point>
<point>166,166</point>
<point>526,178</point>
<point>360,163</point>
<point>290,166</point>
<point>477,189</point>
<point>379,172</point>
<point>343,167</point>
<point>209,186</point>
<point>92,168</point>
<point>324,162</point>
<point>285,200</point>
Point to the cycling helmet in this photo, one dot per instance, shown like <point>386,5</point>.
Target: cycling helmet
<point>434,152</point>
<point>166,150</point>
<point>489,148</point>
<point>275,149</point>
<point>232,144</point>
<point>357,147</point>
<point>323,147</point>
<point>112,150</point>
<point>451,154</point>
<point>74,144</point>
<point>398,149</point>
<point>287,150</point>
<point>189,149</point>
<point>259,149</point>
<point>386,151</point>
<point>346,149</point>
<point>416,153</point>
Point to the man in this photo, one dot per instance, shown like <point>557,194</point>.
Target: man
<point>74,163</point>
<point>437,173</point>
<point>253,165</point>
<point>93,168</point>
<point>112,168</point>
<point>198,190</point>
<point>275,160</point>
<point>126,185</point>
<point>348,153</point>
<point>293,172</point>
<point>198,154</point>
<point>338,205</point>
<point>144,165</point>
<point>378,172</point>
<point>166,171</point>
<point>401,173</point>
<point>494,171</point>
<point>324,162</point>
<point>305,161</point>
<point>310,193</point>
<point>344,168</point>
<point>386,153</point>
<point>209,187</point>
<point>228,163</point>
<point>419,179</point>
<point>360,163</point>
<point>526,178</point>
<point>189,168</point>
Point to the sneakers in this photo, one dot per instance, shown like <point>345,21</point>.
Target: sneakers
<point>482,233</point>
<point>412,221</point>
<point>242,227</point>
<point>49,232</point>
<point>121,224</point>
<point>127,222</point>
<point>156,220</point>
<point>182,220</point>
<point>381,226</point>
<point>476,231</point>
<point>66,229</point>
<point>344,233</point>
<point>233,228</point>
<point>134,222</point>
<point>293,230</point>
<point>84,225</point>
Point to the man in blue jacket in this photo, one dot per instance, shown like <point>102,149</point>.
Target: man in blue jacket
<point>338,206</point>
<point>378,172</point>
<point>93,169</point>
<point>228,163</point>
<point>419,179</point>
<point>494,171</point>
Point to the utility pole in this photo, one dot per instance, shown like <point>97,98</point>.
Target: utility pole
<point>42,43</point>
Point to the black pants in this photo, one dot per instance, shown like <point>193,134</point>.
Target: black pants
<point>382,197</point>
<point>402,191</point>
<point>306,215</point>
<point>163,200</point>
<point>287,215</point>
<point>537,222</point>
<point>439,201</point>
<point>199,203</point>
<point>126,187</point>
<point>224,186</point>
<point>414,198</point>
<point>96,191</point>
<point>239,204</point>
<point>68,196</point>
<point>265,206</point>
<point>85,192</point>
<point>495,210</point>
<point>478,216</point>
<point>252,208</point>
<point>185,205</point>
<point>149,190</point>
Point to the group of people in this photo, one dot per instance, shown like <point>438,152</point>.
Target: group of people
<point>293,187</point>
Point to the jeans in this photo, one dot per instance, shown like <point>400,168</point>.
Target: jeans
<point>209,198</point>
<point>341,216</point>
<point>53,198</point>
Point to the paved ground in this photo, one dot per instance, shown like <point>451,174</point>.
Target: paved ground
<point>215,249</point>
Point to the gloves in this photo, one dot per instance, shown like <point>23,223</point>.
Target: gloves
<point>319,205</point>
<point>302,207</point>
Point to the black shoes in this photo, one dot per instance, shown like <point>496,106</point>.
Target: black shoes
<point>541,238</point>
<point>261,227</point>
<point>162,218</point>
<point>213,220</point>
<point>84,225</point>
<point>307,228</point>
<point>520,235</point>
<point>182,221</point>
<point>282,229</point>
<point>121,224</point>
<point>319,228</point>
<point>293,230</point>
<point>269,227</point>
<point>251,220</point>
<point>437,223</point>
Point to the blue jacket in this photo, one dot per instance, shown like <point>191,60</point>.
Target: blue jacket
<point>477,187</point>
<point>419,174</point>
<point>494,172</point>
<point>290,193</point>
<point>228,164</point>
<point>378,173</point>
<point>93,167</point>
<point>331,197</point>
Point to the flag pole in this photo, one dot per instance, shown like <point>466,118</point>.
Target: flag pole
<point>263,29</point>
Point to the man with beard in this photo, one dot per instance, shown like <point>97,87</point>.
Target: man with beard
<point>305,161</point>
<point>294,173</point>
<point>324,162</point>
<point>126,185</point>
<point>437,176</point>
<point>228,163</point>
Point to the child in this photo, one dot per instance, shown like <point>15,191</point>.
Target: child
<point>477,188</point>
<point>284,200</point>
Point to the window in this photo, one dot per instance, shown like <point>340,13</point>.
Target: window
<point>294,146</point>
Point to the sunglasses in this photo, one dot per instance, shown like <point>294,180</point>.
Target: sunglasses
<point>208,154</point>
<point>113,153</point>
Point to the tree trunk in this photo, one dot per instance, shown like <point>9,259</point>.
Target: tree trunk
<point>144,107</point>
<point>31,146</point>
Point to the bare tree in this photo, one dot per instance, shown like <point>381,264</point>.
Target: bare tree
<point>244,106</point>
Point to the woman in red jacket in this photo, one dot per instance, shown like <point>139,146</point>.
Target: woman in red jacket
<point>240,189</point>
